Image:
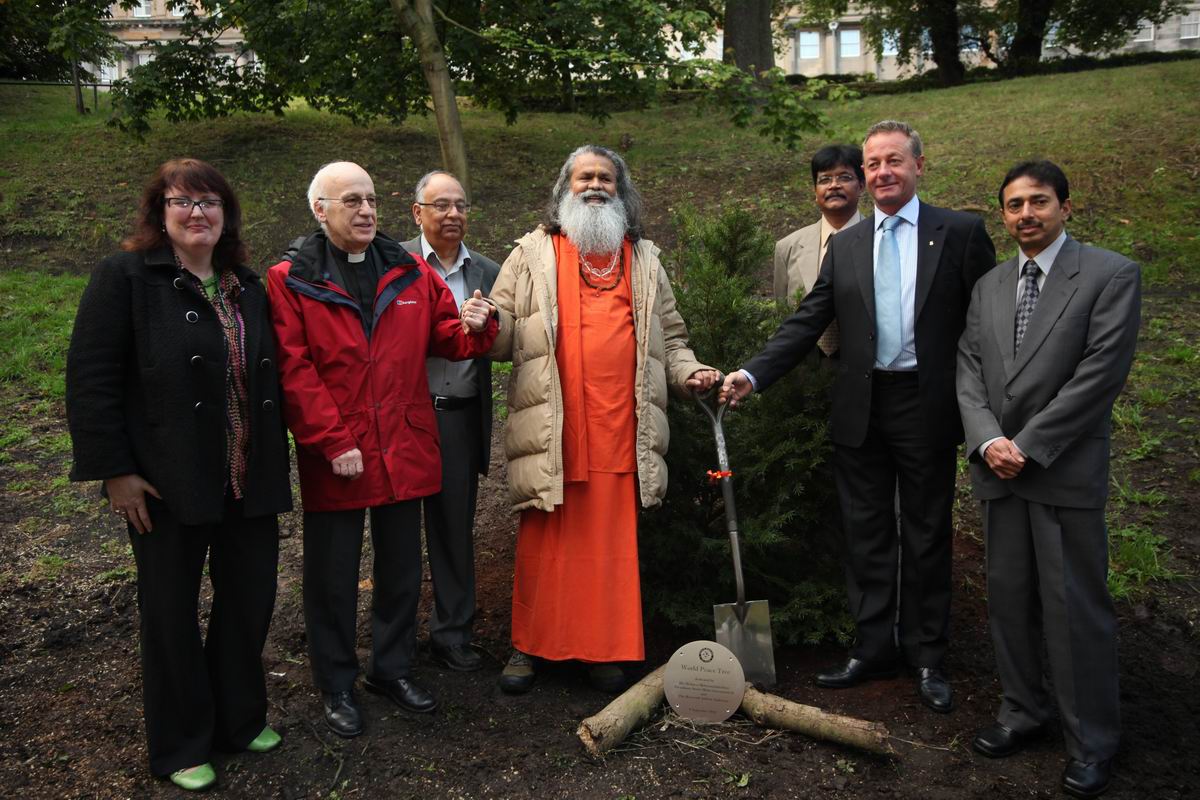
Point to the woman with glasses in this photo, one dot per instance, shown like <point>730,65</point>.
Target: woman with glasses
<point>173,402</point>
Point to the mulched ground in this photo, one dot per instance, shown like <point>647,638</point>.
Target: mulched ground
<point>70,704</point>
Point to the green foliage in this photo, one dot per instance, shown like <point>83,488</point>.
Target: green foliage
<point>354,59</point>
<point>778,452</point>
<point>37,311</point>
<point>1135,559</point>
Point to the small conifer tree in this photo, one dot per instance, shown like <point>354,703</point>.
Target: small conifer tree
<point>778,450</point>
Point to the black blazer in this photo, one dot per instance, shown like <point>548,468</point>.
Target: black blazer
<point>954,250</point>
<point>146,389</point>
<point>480,274</point>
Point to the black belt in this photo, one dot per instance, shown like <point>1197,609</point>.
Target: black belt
<point>895,376</point>
<point>441,403</point>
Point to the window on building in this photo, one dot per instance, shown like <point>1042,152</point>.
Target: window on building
<point>1189,26</point>
<point>1051,39</point>
<point>144,58</point>
<point>142,9</point>
<point>808,45</point>
<point>1145,33</point>
<point>179,9</point>
<point>849,43</point>
<point>109,73</point>
<point>891,45</point>
<point>969,39</point>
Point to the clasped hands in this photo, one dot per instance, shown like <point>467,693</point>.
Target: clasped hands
<point>1004,458</point>
<point>474,313</point>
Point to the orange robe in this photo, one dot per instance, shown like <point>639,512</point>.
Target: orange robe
<point>576,592</point>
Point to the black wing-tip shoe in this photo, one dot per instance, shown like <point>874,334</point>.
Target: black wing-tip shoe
<point>1082,779</point>
<point>518,674</point>
<point>458,657</point>
<point>934,690</point>
<point>403,692</point>
<point>341,713</point>
<point>1001,741</point>
<point>855,672</point>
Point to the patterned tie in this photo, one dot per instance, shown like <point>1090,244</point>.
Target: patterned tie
<point>830,340</point>
<point>887,295</point>
<point>1028,302</point>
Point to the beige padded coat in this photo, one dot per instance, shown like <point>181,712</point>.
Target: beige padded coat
<point>526,297</point>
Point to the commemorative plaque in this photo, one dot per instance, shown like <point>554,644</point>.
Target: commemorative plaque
<point>704,682</point>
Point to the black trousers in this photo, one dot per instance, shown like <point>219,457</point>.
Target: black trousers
<point>449,527</point>
<point>203,695</point>
<point>332,549</point>
<point>897,453</point>
<point>1047,569</point>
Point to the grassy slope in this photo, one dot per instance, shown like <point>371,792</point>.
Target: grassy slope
<point>1126,137</point>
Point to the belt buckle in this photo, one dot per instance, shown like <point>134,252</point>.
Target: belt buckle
<point>437,402</point>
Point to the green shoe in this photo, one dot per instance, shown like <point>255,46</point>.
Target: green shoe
<point>265,742</point>
<point>195,779</point>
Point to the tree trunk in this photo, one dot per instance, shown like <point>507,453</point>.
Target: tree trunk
<point>941,19</point>
<point>633,709</point>
<point>416,19</point>
<point>566,87</point>
<point>1026,49</point>
<point>748,35</point>
<point>78,88</point>
<point>771,711</point>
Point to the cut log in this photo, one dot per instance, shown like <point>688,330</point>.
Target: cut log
<point>771,711</point>
<point>633,709</point>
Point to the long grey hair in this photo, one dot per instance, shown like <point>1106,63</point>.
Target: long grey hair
<point>629,195</point>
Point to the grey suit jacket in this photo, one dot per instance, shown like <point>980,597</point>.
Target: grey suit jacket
<point>1054,397</point>
<point>480,273</point>
<point>798,260</point>
<point>954,250</point>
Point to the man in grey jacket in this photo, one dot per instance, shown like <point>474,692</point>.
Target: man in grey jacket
<point>1049,341</point>
<point>462,398</point>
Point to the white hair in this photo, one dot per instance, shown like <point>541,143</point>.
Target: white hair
<point>316,187</point>
<point>419,192</point>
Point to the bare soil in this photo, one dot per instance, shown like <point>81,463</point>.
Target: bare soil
<point>70,691</point>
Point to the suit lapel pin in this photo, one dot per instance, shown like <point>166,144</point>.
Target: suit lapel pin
<point>931,242</point>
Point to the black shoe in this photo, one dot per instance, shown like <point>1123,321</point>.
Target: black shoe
<point>854,673</point>
<point>518,675</point>
<point>458,657</point>
<point>1081,779</point>
<point>1001,741</point>
<point>341,713</point>
<point>404,693</point>
<point>934,691</point>
<point>607,678</point>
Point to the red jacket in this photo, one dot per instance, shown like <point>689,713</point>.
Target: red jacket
<point>342,390</point>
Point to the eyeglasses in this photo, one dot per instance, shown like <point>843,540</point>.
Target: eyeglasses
<point>353,202</point>
<point>188,204</point>
<point>444,206</point>
<point>842,179</point>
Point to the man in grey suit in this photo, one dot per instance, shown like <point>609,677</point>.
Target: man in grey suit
<point>1048,344</point>
<point>462,397</point>
<point>838,183</point>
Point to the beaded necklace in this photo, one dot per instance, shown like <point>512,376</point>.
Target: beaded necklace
<point>603,280</point>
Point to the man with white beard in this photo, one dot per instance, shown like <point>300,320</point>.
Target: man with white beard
<point>588,318</point>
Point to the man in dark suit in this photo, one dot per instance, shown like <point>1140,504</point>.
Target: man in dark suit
<point>462,398</point>
<point>898,284</point>
<point>1049,341</point>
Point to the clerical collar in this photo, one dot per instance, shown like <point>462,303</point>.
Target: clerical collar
<point>349,258</point>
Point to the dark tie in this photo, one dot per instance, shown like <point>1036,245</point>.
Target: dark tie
<point>1028,302</point>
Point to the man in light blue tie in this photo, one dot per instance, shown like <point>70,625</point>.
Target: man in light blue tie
<point>898,285</point>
